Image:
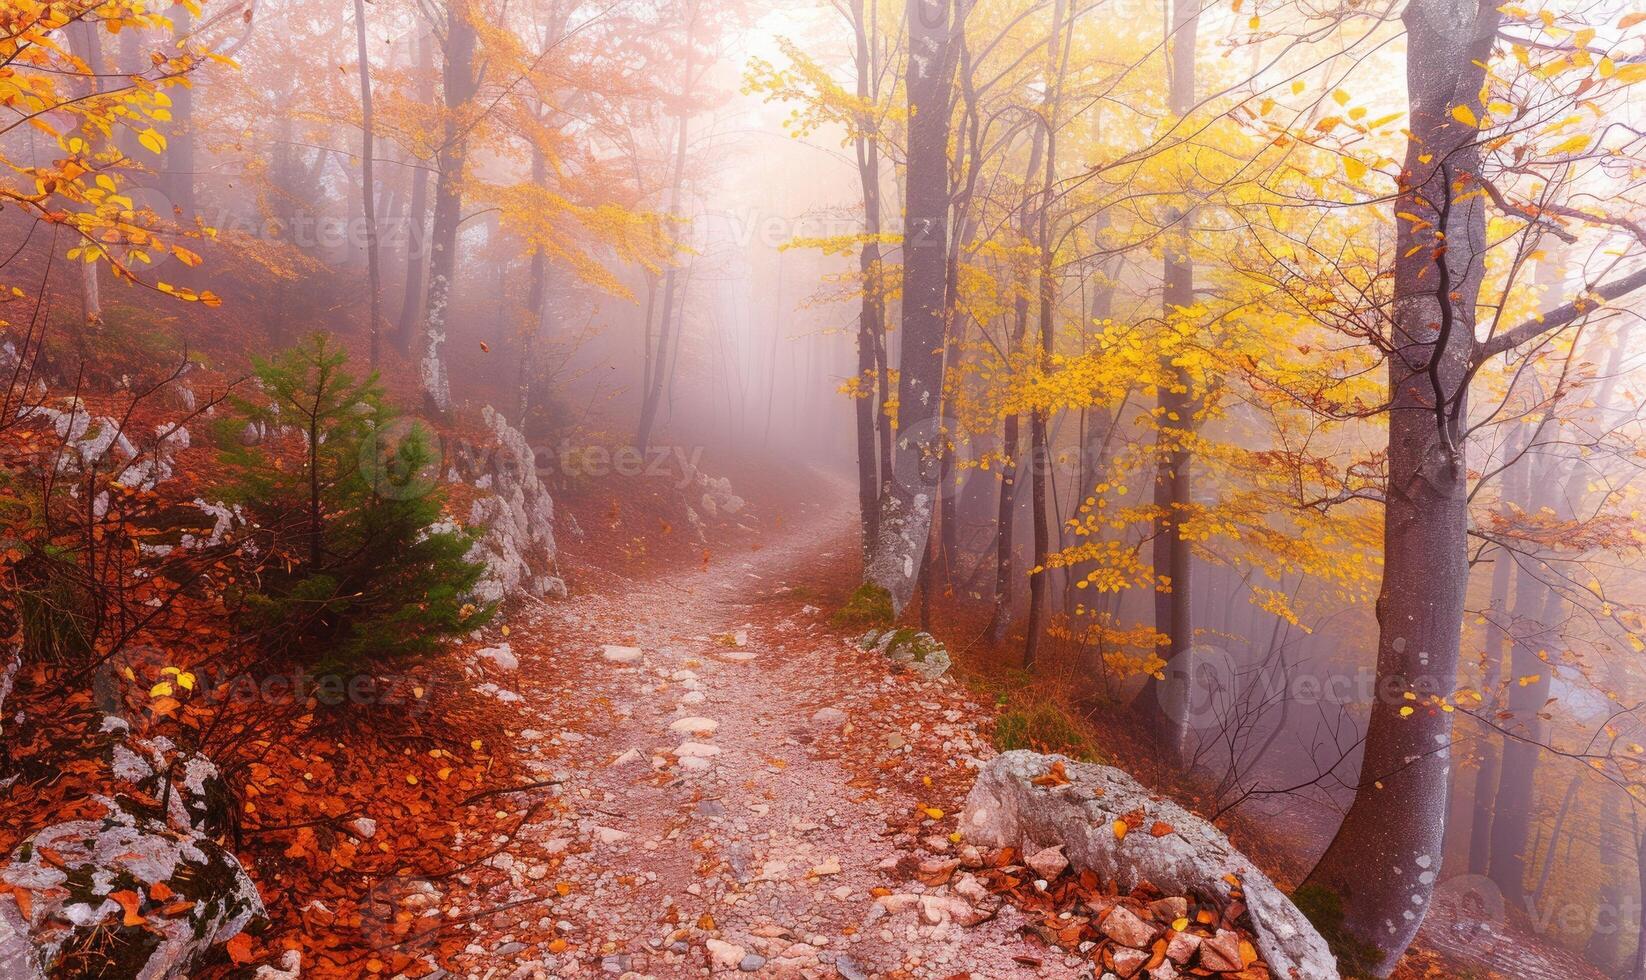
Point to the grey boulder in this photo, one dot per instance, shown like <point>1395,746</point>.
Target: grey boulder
<point>1006,809</point>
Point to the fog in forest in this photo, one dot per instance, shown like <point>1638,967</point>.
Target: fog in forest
<point>1242,395</point>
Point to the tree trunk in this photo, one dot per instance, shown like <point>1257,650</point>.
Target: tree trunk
<point>1173,483</point>
<point>1097,433</point>
<point>1535,607</point>
<point>417,232</point>
<point>652,397</point>
<point>1604,947</point>
<point>1040,450</point>
<point>1011,435</point>
<point>1383,863</point>
<point>368,185</point>
<point>459,86</point>
<point>85,45</point>
<point>1486,778</point>
<point>178,178</point>
<point>1637,969</point>
<point>536,291</point>
<point>1554,842</point>
<point>908,496</point>
<point>1536,620</point>
<point>871,318</point>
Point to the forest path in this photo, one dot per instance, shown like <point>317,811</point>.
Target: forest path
<point>730,796</point>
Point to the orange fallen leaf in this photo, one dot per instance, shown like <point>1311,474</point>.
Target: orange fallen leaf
<point>129,901</point>
<point>1055,776</point>
<point>1121,828</point>
<point>239,949</point>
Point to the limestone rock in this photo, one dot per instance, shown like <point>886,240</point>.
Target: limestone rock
<point>516,521</point>
<point>724,955</point>
<point>1005,809</point>
<point>77,893</point>
<point>501,655</point>
<point>920,652</point>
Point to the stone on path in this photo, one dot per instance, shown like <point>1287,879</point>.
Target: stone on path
<point>695,726</point>
<point>501,655</point>
<point>621,655</point>
<point>726,956</point>
<point>1048,863</point>
<point>608,835</point>
<point>829,717</point>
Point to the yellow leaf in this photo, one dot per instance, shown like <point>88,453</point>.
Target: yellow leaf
<point>152,140</point>
<point>1466,116</point>
<point>1355,168</point>
<point>161,690</point>
<point>1575,144</point>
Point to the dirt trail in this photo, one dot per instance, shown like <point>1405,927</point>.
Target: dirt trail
<point>748,840</point>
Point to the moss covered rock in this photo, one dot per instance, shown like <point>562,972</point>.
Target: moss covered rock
<point>127,894</point>
<point>920,652</point>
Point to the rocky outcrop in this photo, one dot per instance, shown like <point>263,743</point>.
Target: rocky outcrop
<point>1079,808</point>
<point>708,496</point>
<point>100,441</point>
<point>515,519</point>
<point>920,652</point>
<point>142,889</point>
<point>191,792</point>
<point>137,897</point>
<point>11,660</point>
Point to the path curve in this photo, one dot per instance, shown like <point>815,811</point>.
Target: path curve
<point>735,800</point>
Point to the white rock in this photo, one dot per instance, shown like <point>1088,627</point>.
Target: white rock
<point>501,655</point>
<point>1006,809</point>
<point>829,867</point>
<point>695,726</point>
<point>516,519</point>
<point>829,717</point>
<point>290,967</point>
<point>726,956</point>
<point>1048,863</point>
<point>621,655</point>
